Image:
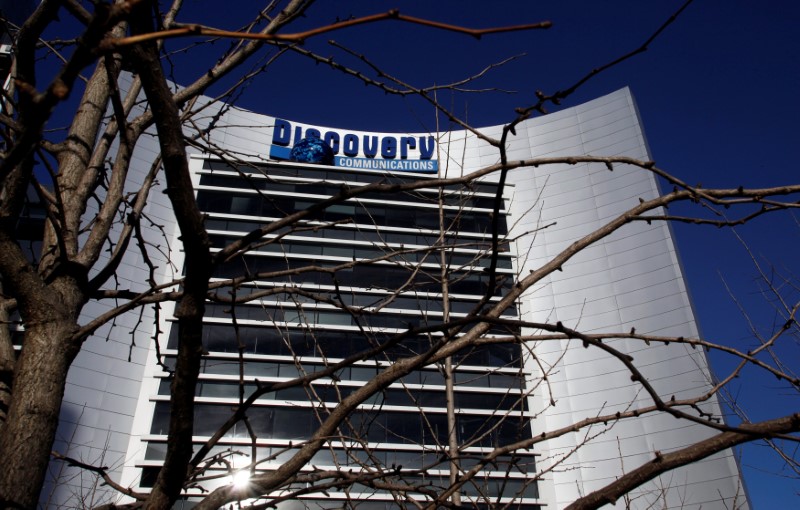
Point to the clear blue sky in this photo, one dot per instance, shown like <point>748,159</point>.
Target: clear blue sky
<point>717,94</point>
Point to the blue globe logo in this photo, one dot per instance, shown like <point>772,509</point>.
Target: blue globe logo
<point>312,150</point>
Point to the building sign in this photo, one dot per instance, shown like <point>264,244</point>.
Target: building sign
<point>361,151</point>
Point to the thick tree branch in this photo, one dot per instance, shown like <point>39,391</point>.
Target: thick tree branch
<point>198,30</point>
<point>667,461</point>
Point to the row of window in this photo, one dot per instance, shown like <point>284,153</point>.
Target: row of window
<point>295,423</point>
<point>376,276</point>
<point>333,393</point>
<point>273,341</point>
<point>368,233</point>
<point>251,204</point>
<point>289,370</point>
<point>416,302</point>
<point>516,462</point>
<point>334,174</point>
<point>333,317</point>
<point>351,252</point>
<point>331,503</point>
<point>479,486</point>
<point>333,188</point>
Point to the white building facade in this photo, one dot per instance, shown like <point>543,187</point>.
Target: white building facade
<point>116,401</point>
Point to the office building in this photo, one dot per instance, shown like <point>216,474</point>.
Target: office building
<point>305,320</point>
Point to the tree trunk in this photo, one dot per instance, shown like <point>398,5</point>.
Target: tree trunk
<point>7,361</point>
<point>38,388</point>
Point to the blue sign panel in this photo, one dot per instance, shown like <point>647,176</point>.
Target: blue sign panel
<point>366,151</point>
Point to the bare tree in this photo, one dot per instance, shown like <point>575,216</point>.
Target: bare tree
<point>96,216</point>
